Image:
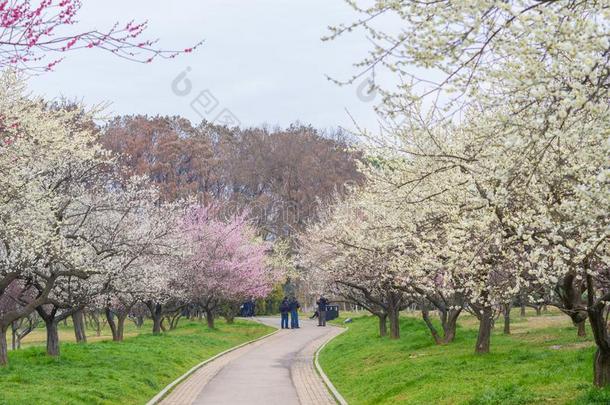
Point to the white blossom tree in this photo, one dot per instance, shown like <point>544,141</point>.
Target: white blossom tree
<point>352,253</point>
<point>48,160</point>
<point>518,96</point>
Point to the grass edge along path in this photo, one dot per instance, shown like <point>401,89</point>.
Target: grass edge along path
<point>106,372</point>
<point>546,364</point>
<point>327,382</point>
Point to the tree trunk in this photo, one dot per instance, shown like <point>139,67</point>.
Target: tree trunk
<point>156,325</point>
<point>601,369</point>
<point>522,310</point>
<point>484,336</point>
<point>14,339</point>
<point>78,319</point>
<point>433,331</point>
<point>111,323</point>
<point>173,324</point>
<point>450,325</point>
<point>52,337</point>
<point>94,322</point>
<point>394,316</point>
<point>156,315</point>
<point>599,329</point>
<point>209,317</point>
<point>383,325</point>
<point>506,313</point>
<point>117,328</point>
<point>538,310</point>
<point>3,346</point>
<point>582,331</point>
<point>120,329</point>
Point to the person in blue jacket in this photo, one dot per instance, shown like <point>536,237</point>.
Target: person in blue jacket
<point>284,309</point>
<point>294,312</point>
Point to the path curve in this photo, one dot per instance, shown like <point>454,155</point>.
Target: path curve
<point>280,367</point>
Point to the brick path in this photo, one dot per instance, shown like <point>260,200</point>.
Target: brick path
<point>278,368</point>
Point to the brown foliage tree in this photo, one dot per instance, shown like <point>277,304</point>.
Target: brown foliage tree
<point>280,175</point>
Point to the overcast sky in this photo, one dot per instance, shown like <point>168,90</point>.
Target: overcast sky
<point>262,60</point>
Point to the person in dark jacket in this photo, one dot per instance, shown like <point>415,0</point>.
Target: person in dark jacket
<point>294,312</point>
<point>284,309</point>
<point>251,307</point>
<point>322,303</point>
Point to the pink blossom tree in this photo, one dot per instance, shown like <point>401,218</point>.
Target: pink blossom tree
<point>226,262</point>
<point>35,35</point>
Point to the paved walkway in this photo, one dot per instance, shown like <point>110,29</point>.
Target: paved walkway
<point>276,370</point>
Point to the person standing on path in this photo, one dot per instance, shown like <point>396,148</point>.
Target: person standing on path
<point>294,306</point>
<point>251,308</point>
<point>322,303</point>
<point>284,309</point>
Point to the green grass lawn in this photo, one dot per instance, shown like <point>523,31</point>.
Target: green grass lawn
<point>542,362</point>
<point>66,333</point>
<point>106,372</point>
